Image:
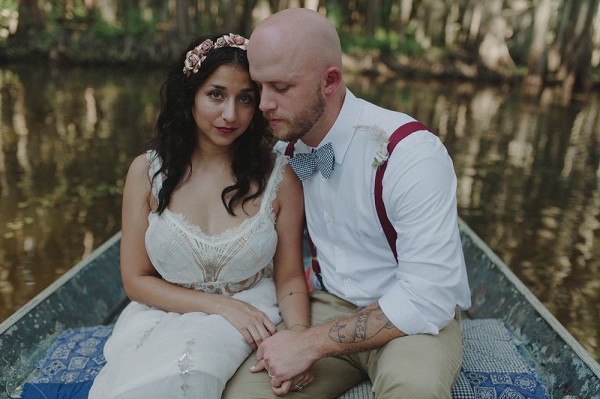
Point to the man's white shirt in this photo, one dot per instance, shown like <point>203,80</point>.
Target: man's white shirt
<point>419,293</point>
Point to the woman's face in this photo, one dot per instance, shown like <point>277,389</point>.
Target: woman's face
<point>224,106</point>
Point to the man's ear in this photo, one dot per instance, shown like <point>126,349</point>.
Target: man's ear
<point>332,80</point>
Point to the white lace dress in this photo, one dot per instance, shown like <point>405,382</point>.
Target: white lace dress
<point>158,354</point>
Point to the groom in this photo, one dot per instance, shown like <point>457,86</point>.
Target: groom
<point>387,309</point>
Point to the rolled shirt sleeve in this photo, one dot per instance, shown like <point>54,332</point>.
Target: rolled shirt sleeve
<point>420,198</point>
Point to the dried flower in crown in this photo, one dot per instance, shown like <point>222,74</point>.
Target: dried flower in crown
<point>195,57</point>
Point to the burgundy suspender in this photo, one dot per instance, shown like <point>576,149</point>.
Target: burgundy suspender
<point>395,138</point>
<point>389,231</point>
<point>289,149</point>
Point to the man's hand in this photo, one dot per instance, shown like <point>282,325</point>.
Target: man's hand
<point>285,355</point>
<point>296,384</point>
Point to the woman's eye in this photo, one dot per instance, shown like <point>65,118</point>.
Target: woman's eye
<point>246,99</point>
<point>215,95</point>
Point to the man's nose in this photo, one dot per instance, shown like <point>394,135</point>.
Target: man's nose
<point>266,101</point>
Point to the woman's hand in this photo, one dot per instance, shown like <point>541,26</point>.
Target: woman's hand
<point>252,323</point>
<point>295,384</point>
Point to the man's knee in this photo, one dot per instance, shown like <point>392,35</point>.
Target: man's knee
<point>398,385</point>
<point>245,384</point>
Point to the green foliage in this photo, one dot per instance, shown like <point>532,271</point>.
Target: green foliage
<point>86,32</point>
<point>387,41</point>
<point>10,5</point>
<point>521,71</point>
<point>335,14</point>
<point>83,192</point>
<point>135,25</point>
<point>76,31</point>
<point>17,225</point>
<point>102,30</point>
<point>8,18</point>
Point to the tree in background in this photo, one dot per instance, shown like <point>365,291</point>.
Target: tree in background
<point>540,41</point>
<point>31,22</point>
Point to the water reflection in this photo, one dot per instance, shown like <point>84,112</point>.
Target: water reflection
<point>528,174</point>
<point>67,138</point>
<point>528,185</point>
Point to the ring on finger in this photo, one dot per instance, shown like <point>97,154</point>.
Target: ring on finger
<point>270,375</point>
<point>298,387</point>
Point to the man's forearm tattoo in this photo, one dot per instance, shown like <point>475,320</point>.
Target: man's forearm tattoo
<point>360,327</point>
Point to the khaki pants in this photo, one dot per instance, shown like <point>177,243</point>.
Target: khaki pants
<point>415,367</point>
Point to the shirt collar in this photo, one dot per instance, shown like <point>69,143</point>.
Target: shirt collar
<point>341,133</point>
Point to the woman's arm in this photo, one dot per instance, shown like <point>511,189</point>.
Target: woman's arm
<point>290,280</point>
<point>143,284</point>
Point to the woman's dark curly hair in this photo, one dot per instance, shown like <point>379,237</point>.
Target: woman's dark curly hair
<point>176,132</point>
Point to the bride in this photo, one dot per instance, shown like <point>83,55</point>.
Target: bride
<point>211,250</point>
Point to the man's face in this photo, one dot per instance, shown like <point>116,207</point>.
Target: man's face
<point>291,97</point>
<point>296,120</point>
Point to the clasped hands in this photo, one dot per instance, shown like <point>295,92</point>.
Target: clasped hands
<point>278,353</point>
<point>287,363</point>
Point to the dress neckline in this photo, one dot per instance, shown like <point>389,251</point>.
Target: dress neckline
<point>230,233</point>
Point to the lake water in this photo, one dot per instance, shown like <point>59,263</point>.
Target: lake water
<point>528,172</point>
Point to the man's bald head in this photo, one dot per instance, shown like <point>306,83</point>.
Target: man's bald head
<point>299,33</point>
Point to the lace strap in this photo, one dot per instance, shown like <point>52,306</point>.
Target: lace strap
<point>154,163</point>
<point>273,183</point>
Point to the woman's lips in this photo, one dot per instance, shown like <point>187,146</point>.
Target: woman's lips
<point>226,130</point>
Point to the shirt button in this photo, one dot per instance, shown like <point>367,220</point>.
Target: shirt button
<point>348,281</point>
<point>328,219</point>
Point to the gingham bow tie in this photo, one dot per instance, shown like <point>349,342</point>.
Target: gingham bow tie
<point>305,164</point>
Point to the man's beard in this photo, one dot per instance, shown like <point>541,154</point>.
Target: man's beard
<point>303,122</point>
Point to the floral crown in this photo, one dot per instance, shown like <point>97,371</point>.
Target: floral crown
<point>195,57</point>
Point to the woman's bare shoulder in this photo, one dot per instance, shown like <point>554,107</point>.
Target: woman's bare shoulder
<point>139,166</point>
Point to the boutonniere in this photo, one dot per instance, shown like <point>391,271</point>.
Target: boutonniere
<point>381,155</point>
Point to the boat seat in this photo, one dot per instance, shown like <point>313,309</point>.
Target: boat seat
<point>494,365</point>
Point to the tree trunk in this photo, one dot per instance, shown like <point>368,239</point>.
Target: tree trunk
<point>493,50</point>
<point>406,7</point>
<point>475,22</point>
<point>451,22</point>
<point>372,16</point>
<point>228,13</point>
<point>310,4</point>
<point>278,5</point>
<point>184,22</point>
<point>596,41</point>
<point>32,21</point>
<point>245,27</point>
<point>576,70</point>
<point>536,58</point>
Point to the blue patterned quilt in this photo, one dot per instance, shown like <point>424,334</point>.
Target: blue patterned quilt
<point>492,367</point>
